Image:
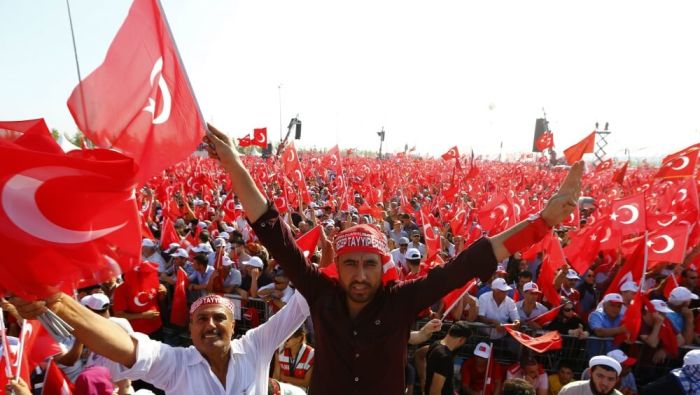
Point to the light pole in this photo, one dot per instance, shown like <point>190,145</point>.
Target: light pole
<point>381,135</point>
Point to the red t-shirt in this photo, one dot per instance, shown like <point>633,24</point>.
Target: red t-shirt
<point>475,381</point>
<point>131,301</point>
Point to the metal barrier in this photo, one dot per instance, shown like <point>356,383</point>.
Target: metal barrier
<point>576,352</point>
<point>249,313</point>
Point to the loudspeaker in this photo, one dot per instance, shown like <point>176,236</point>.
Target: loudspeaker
<point>297,134</point>
<point>267,151</point>
<point>541,126</point>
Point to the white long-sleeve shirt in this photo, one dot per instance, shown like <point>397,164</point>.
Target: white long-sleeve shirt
<point>184,371</point>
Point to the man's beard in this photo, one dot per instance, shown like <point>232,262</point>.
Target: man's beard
<point>595,391</point>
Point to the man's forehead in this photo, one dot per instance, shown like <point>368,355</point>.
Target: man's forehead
<point>212,309</point>
<point>358,256</point>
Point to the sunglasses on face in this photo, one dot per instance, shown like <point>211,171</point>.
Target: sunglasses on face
<point>568,310</point>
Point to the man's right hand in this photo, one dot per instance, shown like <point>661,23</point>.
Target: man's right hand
<point>31,309</point>
<point>223,148</point>
<point>150,315</point>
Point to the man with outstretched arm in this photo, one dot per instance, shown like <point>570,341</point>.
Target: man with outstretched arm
<point>362,327</point>
<point>214,365</point>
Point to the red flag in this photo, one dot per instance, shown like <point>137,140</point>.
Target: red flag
<point>631,270</point>
<point>670,285</point>
<point>145,229</point>
<point>668,245</point>
<point>550,341</point>
<point>574,153</point>
<point>432,240</point>
<point>678,165</point>
<point>245,141</point>
<point>308,241</point>
<point>632,320</point>
<point>452,153</point>
<point>546,140</point>
<point>458,223</point>
<point>585,244</point>
<point>13,345</point>
<point>178,315</point>
<point>260,137</point>
<point>619,174</point>
<point>629,214</point>
<point>76,211</point>
<point>545,318</point>
<point>668,338</point>
<point>31,134</point>
<point>139,100</point>
<point>449,299</point>
<point>56,382</point>
<point>168,234</point>
<point>553,260</point>
<point>604,165</point>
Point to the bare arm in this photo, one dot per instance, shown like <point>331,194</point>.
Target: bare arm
<point>98,333</point>
<point>425,333</point>
<point>437,384</point>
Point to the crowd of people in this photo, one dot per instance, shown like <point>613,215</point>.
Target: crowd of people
<point>384,240</point>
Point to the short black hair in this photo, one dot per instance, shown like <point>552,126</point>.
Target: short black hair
<point>460,329</point>
<point>201,259</point>
<point>525,274</point>
<point>517,387</point>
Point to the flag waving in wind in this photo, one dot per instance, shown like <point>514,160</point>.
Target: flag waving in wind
<point>139,100</point>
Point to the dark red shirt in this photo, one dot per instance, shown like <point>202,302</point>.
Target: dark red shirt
<point>365,355</point>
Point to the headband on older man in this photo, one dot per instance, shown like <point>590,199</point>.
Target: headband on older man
<point>211,300</point>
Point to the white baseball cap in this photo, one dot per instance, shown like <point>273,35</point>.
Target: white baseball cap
<point>202,247</point>
<point>173,246</point>
<point>482,350</point>
<point>218,242</point>
<point>661,306</point>
<point>180,253</point>
<point>531,287</point>
<point>622,358</point>
<point>605,361</point>
<point>148,243</point>
<point>680,295</point>
<point>613,298</point>
<point>500,284</point>
<point>692,358</point>
<point>412,254</point>
<point>224,235</point>
<point>254,261</point>
<point>95,302</point>
<point>501,269</point>
<point>572,275</point>
<point>227,262</point>
<point>230,229</point>
<point>630,286</point>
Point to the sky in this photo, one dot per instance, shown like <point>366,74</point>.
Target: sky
<point>433,74</point>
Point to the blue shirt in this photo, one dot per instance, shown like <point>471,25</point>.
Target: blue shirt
<point>677,321</point>
<point>599,320</point>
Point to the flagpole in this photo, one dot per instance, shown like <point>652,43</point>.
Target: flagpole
<point>5,346</point>
<point>646,256</point>
<point>179,58</point>
<point>488,365</point>
<point>77,67</point>
<point>20,351</point>
<point>452,306</point>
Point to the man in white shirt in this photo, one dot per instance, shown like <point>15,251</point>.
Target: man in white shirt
<point>149,253</point>
<point>398,255</point>
<point>415,242</point>
<point>214,365</point>
<point>496,308</point>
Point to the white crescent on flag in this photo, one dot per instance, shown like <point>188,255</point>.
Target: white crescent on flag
<point>20,205</point>
<point>669,244</point>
